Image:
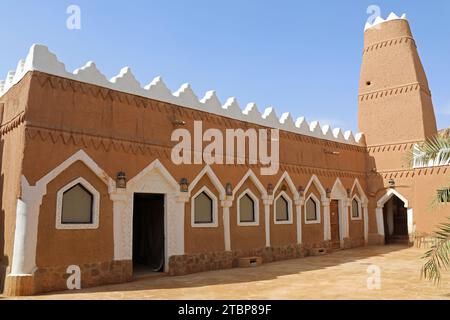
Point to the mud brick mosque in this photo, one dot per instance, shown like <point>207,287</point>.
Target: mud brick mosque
<point>87,177</point>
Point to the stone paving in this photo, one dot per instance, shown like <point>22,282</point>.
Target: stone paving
<point>340,275</point>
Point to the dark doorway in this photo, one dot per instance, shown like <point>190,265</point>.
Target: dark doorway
<point>395,221</point>
<point>334,224</point>
<point>148,233</point>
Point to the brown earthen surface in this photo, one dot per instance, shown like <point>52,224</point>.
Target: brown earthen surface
<point>341,275</point>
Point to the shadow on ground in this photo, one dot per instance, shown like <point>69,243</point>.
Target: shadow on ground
<point>267,271</point>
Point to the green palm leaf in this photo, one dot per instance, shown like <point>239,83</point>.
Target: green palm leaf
<point>438,257</point>
<point>436,149</point>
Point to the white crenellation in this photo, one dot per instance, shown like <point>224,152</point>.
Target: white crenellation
<point>379,20</point>
<point>337,134</point>
<point>232,109</point>
<point>39,58</point>
<point>158,90</point>
<point>315,129</point>
<point>348,136</point>
<point>270,118</point>
<point>211,102</point>
<point>287,123</point>
<point>90,71</point>
<point>251,113</point>
<point>186,96</point>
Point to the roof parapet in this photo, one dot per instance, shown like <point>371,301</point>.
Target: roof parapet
<point>379,20</point>
<point>41,59</point>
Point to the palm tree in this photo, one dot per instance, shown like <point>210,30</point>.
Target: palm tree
<point>437,151</point>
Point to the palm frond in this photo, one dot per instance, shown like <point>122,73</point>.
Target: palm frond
<point>442,197</point>
<point>436,148</point>
<point>438,257</point>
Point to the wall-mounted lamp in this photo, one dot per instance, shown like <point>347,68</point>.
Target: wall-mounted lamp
<point>184,185</point>
<point>229,189</point>
<point>391,183</point>
<point>121,180</point>
<point>301,191</point>
<point>178,122</point>
<point>328,192</point>
<point>334,153</point>
<point>270,189</point>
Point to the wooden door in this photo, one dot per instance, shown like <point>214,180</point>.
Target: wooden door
<point>334,224</point>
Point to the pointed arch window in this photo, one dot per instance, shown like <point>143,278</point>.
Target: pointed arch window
<point>77,206</point>
<point>312,210</point>
<point>204,209</point>
<point>248,209</point>
<point>283,209</point>
<point>356,209</point>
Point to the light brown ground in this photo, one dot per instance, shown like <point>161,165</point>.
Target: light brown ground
<point>341,275</point>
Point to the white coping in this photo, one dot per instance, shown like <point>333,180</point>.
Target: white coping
<point>379,20</point>
<point>41,59</point>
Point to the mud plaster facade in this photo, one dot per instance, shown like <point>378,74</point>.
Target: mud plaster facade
<point>57,127</point>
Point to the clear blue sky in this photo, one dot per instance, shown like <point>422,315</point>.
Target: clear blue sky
<point>299,56</point>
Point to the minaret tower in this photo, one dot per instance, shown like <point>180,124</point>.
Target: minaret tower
<point>395,103</point>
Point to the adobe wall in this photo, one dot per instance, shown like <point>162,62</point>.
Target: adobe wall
<point>121,132</point>
<point>12,107</point>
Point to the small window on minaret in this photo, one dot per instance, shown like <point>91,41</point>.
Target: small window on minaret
<point>368,83</point>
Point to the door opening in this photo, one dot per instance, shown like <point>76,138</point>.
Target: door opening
<point>395,220</point>
<point>148,233</point>
<point>334,225</point>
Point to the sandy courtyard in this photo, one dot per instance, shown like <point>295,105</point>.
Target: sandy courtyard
<point>341,275</point>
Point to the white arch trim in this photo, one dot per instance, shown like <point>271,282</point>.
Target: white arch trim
<point>27,211</point>
<point>338,191</point>
<point>388,195</point>
<point>287,177</point>
<point>250,174</point>
<point>379,211</point>
<point>255,209</point>
<point>215,215</point>
<point>318,185</point>
<point>361,192</point>
<point>95,206</point>
<point>360,213</point>
<point>289,207</point>
<point>318,211</point>
<point>214,179</point>
<point>154,178</point>
<point>155,165</point>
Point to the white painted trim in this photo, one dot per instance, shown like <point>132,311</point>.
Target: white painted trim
<point>267,221</point>
<point>27,212</point>
<point>380,220</point>
<point>250,174</point>
<point>388,195</point>
<point>318,185</point>
<point>41,59</point>
<point>214,179</point>
<point>255,208</point>
<point>298,209</point>
<point>155,165</point>
<point>226,227</point>
<point>95,206</point>
<point>360,212</point>
<point>410,219</point>
<point>287,177</point>
<point>366,223</point>
<point>153,179</point>
<point>326,220</point>
<point>289,201</point>
<point>82,156</point>
<point>361,192</point>
<point>318,209</point>
<point>214,223</point>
